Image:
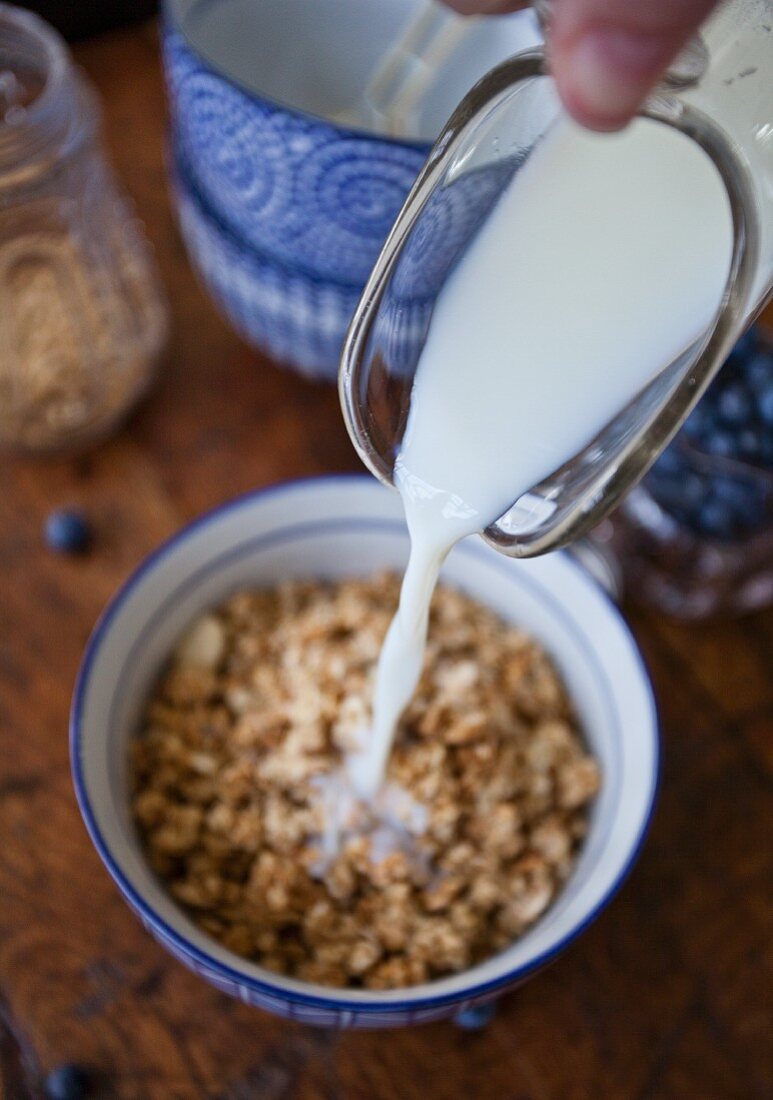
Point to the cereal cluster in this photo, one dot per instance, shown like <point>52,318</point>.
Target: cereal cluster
<point>261,701</point>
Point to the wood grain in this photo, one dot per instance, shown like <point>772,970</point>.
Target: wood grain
<point>664,997</point>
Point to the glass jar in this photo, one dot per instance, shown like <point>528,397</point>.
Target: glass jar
<point>695,538</point>
<point>82,320</point>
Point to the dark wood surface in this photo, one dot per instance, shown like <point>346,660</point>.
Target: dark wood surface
<point>664,997</point>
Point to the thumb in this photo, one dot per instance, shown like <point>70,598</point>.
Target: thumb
<point>607,55</point>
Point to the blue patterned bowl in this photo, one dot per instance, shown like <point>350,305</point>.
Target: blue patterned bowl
<point>298,320</point>
<point>332,527</point>
<point>304,192</point>
<point>299,204</point>
<point>301,320</point>
<point>283,215</point>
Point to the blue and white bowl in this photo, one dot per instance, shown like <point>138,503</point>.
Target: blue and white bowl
<point>301,320</point>
<point>342,526</point>
<point>298,320</point>
<point>309,194</point>
<point>311,200</point>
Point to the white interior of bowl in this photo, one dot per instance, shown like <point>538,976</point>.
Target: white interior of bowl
<point>335,527</point>
<point>317,56</point>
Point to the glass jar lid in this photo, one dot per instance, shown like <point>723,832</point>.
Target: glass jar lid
<point>45,111</point>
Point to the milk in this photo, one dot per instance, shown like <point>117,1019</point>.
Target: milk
<point>605,259</point>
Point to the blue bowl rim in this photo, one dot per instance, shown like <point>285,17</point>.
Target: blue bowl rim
<point>170,22</point>
<point>187,949</point>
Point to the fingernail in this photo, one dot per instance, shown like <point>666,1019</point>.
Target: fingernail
<point>608,73</point>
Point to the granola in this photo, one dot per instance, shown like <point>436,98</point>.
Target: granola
<point>261,701</point>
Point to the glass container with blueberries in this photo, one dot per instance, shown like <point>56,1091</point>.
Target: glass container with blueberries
<point>695,538</point>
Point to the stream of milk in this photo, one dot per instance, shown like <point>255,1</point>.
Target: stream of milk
<point>605,259</point>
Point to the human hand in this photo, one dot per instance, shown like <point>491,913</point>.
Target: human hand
<point>606,55</point>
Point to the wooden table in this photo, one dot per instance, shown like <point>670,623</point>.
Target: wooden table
<point>664,997</point>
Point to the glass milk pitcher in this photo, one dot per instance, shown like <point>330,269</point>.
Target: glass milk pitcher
<point>718,93</point>
<point>732,85</point>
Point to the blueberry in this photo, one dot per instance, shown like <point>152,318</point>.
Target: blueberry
<point>680,496</point>
<point>751,443</point>
<point>758,372</point>
<point>765,406</point>
<point>475,1017</point>
<point>716,520</point>
<point>741,498</point>
<point>699,422</point>
<point>735,405</point>
<point>67,531</point>
<point>746,346</point>
<point>668,463</point>
<point>766,452</point>
<point>67,1083</point>
<point>720,443</point>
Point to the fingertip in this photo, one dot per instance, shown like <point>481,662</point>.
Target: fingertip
<point>578,109</point>
<point>605,74</point>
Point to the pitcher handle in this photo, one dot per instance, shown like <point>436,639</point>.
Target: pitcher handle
<point>574,519</point>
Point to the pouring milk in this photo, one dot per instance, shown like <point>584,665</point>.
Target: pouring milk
<point>604,259</point>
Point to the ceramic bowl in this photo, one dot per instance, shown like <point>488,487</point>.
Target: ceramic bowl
<point>333,527</point>
<point>298,320</point>
<point>309,198</point>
